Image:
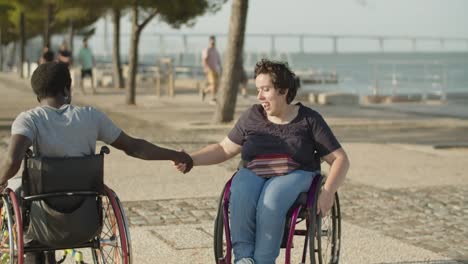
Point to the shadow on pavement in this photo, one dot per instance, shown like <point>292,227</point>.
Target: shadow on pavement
<point>427,262</point>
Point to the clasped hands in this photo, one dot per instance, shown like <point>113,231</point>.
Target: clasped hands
<point>183,162</point>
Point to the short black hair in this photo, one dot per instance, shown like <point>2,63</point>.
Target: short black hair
<point>282,77</point>
<point>50,79</point>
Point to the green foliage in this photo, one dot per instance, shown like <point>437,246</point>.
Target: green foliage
<point>180,12</point>
<point>5,23</point>
<point>81,13</point>
<point>84,13</point>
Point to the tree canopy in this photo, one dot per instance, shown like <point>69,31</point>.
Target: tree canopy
<point>81,13</point>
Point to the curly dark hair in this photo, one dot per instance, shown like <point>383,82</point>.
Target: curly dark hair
<point>50,79</point>
<point>282,77</point>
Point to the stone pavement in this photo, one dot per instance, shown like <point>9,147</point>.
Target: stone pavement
<point>432,218</point>
<point>402,203</point>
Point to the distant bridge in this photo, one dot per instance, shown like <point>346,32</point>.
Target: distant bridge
<point>381,39</point>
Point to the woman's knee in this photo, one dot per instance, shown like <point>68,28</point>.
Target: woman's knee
<point>279,194</point>
<point>246,183</point>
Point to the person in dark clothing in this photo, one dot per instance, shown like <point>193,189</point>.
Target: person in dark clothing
<point>64,55</point>
<point>279,142</point>
<point>47,55</point>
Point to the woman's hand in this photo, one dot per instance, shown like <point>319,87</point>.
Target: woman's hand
<point>325,202</point>
<point>184,162</point>
<point>180,166</point>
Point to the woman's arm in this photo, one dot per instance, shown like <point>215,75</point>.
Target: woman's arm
<point>339,165</point>
<point>216,153</point>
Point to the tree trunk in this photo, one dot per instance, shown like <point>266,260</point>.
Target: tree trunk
<point>12,60</point>
<point>133,58</point>
<point>1,49</point>
<point>22,44</point>
<point>230,77</point>
<point>71,35</point>
<point>47,23</point>
<point>133,52</point>
<point>117,64</point>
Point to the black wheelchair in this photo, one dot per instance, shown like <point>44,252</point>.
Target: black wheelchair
<point>322,235</point>
<point>64,204</point>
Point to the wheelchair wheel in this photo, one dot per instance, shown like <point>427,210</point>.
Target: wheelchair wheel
<point>11,238</point>
<point>114,246</point>
<point>126,228</point>
<point>328,236</point>
<point>219,239</point>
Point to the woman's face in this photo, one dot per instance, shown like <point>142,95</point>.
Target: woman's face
<point>272,101</point>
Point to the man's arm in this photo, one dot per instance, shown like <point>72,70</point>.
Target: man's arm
<point>206,67</point>
<point>142,149</point>
<point>220,63</point>
<point>15,154</point>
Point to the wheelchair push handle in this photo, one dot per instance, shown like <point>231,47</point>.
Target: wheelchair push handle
<point>29,153</point>
<point>104,150</point>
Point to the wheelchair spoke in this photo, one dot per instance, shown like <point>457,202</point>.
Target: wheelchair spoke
<point>8,241</point>
<point>326,238</point>
<point>110,239</point>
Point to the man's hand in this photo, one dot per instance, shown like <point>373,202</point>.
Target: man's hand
<point>325,202</point>
<point>183,162</point>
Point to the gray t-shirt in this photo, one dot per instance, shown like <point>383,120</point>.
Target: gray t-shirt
<point>69,131</point>
<point>306,134</point>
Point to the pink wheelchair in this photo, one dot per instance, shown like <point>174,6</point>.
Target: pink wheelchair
<point>321,236</point>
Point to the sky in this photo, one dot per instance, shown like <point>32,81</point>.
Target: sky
<point>435,18</point>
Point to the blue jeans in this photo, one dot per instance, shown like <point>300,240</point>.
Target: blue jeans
<point>258,208</point>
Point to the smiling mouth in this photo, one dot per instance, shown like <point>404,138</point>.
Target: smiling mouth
<point>265,106</point>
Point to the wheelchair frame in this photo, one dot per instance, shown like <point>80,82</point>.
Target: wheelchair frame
<point>303,209</point>
<point>112,217</point>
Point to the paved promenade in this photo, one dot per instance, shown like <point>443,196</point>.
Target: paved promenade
<point>403,201</point>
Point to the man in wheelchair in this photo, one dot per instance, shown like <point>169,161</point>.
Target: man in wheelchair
<point>56,129</point>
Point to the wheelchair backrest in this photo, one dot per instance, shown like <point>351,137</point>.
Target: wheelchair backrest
<point>72,174</point>
<point>63,193</point>
<point>63,183</point>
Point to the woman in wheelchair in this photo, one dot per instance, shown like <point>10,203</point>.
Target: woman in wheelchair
<point>57,128</point>
<point>277,140</point>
